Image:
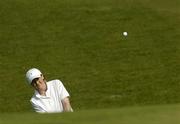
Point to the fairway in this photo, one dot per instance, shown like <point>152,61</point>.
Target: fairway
<point>111,78</point>
<point>128,115</point>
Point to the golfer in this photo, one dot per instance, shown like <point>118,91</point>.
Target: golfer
<point>49,97</point>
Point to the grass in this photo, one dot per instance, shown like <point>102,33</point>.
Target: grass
<point>81,43</point>
<point>166,114</point>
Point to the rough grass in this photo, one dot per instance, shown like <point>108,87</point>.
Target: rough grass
<point>81,43</point>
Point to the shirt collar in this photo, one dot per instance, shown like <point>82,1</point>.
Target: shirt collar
<point>36,93</point>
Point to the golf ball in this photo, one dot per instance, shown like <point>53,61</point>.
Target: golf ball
<point>125,33</point>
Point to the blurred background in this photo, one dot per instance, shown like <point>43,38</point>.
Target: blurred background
<point>81,43</point>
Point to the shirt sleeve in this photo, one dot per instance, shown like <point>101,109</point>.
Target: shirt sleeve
<point>37,108</point>
<point>62,92</point>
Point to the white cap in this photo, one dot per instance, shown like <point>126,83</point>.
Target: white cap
<point>32,74</point>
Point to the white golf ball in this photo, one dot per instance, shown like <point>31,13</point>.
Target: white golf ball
<point>125,33</point>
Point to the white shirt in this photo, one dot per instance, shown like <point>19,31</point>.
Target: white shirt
<point>51,103</point>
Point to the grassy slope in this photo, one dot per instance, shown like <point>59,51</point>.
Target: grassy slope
<point>81,43</point>
<point>136,115</point>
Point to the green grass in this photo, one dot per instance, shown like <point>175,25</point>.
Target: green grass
<point>131,115</point>
<point>81,43</point>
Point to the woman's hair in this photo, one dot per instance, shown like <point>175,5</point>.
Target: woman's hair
<point>34,81</point>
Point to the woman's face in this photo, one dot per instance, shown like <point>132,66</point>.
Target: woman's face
<point>40,84</point>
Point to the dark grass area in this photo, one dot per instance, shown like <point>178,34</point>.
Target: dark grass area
<point>81,43</point>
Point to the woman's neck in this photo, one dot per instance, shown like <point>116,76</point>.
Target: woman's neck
<point>42,93</point>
